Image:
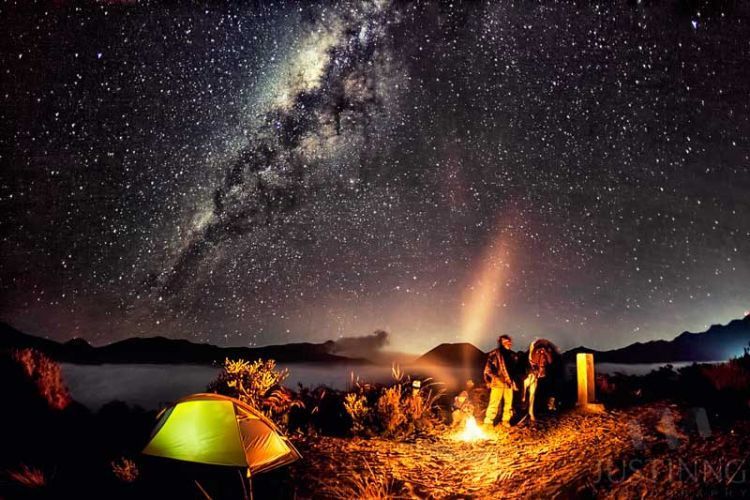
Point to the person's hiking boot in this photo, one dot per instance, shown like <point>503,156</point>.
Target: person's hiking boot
<point>506,424</point>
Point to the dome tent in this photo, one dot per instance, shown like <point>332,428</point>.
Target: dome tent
<point>219,430</point>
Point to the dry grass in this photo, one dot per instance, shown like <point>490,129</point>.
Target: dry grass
<point>125,470</point>
<point>28,477</point>
<point>46,375</point>
<point>367,485</point>
<point>564,456</point>
<point>390,411</point>
<point>356,406</point>
<point>406,408</point>
<point>732,375</point>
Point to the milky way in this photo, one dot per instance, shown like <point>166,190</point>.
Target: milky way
<point>304,171</point>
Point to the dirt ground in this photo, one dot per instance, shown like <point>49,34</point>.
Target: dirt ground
<point>653,451</point>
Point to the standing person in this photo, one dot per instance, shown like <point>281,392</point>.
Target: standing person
<point>498,374</point>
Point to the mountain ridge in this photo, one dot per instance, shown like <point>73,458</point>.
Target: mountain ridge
<point>718,342</point>
<point>163,350</point>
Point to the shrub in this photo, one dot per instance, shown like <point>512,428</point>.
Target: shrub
<point>46,375</point>
<point>722,388</point>
<point>125,470</point>
<point>728,376</point>
<point>399,410</point>
<point>257,383</point>
<point>28,477</point>
<point>322,411</point>
<point>390,410</point>
<point>356,407</point>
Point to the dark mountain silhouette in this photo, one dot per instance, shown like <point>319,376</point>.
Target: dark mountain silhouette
<point>164,350</point>
<point>718,343</point>
<point>10,337</point>
<point>464,354</point>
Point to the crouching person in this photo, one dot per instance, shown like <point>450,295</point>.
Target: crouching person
<point>498,375</point>
<point>462,409</point>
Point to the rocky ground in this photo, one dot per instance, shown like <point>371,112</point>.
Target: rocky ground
<point>654,451</point>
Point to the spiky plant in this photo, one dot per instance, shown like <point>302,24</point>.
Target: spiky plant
<point>356,406</point>
<point>259,384</point>
<point>47,376</point>
<point>390,410</point>
<point>28,477</point>
<point>125,470</point>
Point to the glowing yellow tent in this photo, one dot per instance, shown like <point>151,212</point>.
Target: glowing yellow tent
<point>219,430</point>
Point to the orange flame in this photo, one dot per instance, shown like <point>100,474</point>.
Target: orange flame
<point>471,431</point>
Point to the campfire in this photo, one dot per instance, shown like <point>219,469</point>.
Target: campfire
<point>471,431</point>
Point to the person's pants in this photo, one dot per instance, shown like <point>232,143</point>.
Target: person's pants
<point>499,394</point>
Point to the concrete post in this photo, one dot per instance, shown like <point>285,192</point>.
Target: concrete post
<point>585,369</point>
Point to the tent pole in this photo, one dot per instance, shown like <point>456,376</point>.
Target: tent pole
<point>247,491</point>
<point>205,493</point>
<point>242,482</point>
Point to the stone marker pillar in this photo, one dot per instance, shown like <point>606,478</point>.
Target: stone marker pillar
<point>585,369</point>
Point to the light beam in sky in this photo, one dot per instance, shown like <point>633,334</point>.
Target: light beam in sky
<point>484,294</point>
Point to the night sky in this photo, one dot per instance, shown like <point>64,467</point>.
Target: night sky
<point>265,172</point>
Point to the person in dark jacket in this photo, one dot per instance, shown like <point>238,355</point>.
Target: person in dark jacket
<point>499,377</point>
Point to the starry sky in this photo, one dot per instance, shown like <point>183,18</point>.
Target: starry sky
<point>247,173</point>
